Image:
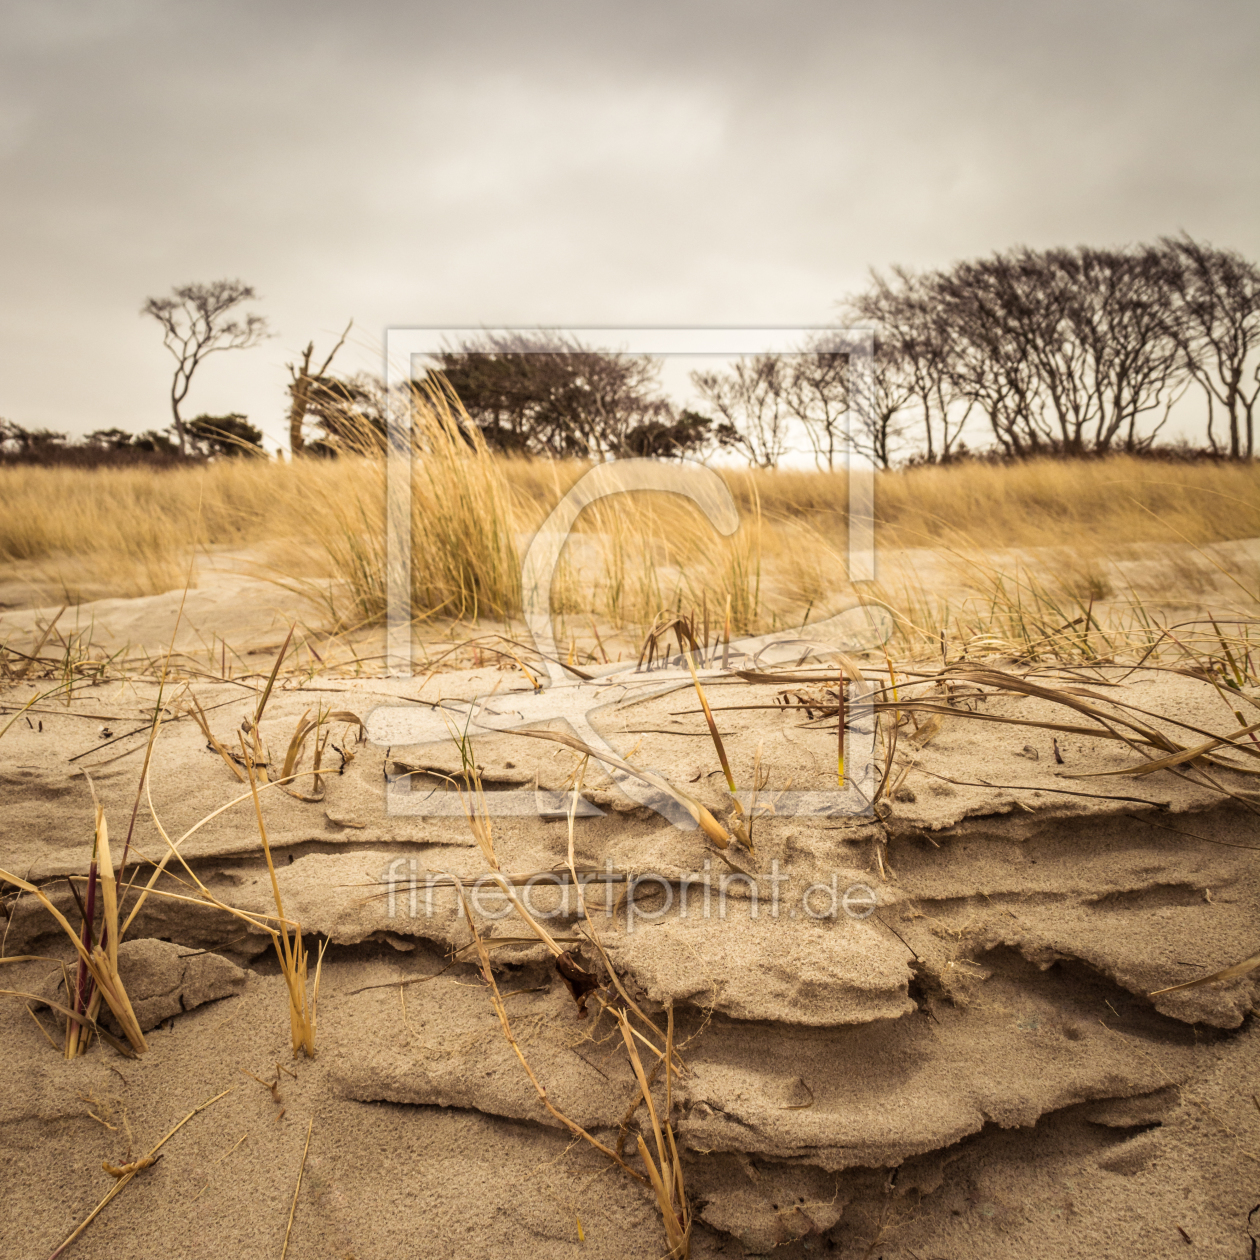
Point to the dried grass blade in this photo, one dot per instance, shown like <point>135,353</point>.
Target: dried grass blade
<point>96,962</point>
<point>173,851</point>
<point>500,1010</point>
<point>1179,758</point>
<point>199,716</point>
<point>123,1180</point>
<point>713,730</point>
<point>637,1064</point>
<point>284,1251</point>
<point>271,681</point>
<point>84,1021</point>
<point>674,1233</point>
<point>294,751</point>
<point>107,951</point>
<point>708,824</point>
<point>1238,970</point>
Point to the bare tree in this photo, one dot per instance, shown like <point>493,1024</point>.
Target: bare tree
<point>1090,325</point>
<point>992,318</point>
<point>1216,321</point>
<point>304,385</point>
<point>196,322</point>
<point>1117,311</point>
<point>1064,350</point>
<point>751,398</point>
<point>883,419</point>
<point>816,392</point>
<point>917,342</point>
<point>867,417</point>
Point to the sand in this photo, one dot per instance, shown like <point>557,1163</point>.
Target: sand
<point>976,1069</point>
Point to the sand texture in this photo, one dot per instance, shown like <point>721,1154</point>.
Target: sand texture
<point>975,1069</point>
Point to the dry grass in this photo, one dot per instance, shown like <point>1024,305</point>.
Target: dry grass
<point>969,551</point>
<point>664,1173</point>
<point>88,533</point>
<point>464,556</point>
<point>1038,503</point>
<point>98,977</point>
<point>127,1172</point>
<point>291,952</point>
<point>1054,594</point>
<point>98,955</point>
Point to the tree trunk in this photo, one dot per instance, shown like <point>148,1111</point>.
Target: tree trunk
<point>179,425</point>
<point>300,393</point>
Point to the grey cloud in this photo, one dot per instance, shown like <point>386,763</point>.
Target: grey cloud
<point>594,163</point>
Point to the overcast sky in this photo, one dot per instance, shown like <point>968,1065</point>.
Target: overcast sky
<point>568,164</point>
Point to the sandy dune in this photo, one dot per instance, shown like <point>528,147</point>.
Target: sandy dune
<point>973,1070</point>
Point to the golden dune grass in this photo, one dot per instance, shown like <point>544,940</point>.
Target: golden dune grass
<point>91,533</point>
<point>75,533</point>
<point>1042,502</point>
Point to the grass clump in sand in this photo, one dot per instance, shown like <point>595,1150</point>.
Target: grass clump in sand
<point>291,952</point>
<point>98,978</point>
<point>464,561</point>
<point>285,933</point>
<point>663,1172</point>
<point>98,956</point>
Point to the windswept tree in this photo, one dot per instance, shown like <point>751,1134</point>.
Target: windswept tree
<point>853,399</point>
<point>1215,318</point>
<point>816,392</point>
<point>348,414</point>
<point>1065,351</point>
<point>1118,312</point>
<point>543,394</point>
<point>16,439</point>
<point>689,434</point>
<point>228,435</point>
<point>881,427</point>
<point>119,441</point>
<point>751,399</point>
<point>993,315</point>
<point>916,351</point>
<point>109,439</point>
<point>758,397</point>
<point>198,320</point>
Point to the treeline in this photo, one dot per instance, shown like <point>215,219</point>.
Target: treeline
<point>1067,352</point>
<point>537,394</point>
<point>207,437</point>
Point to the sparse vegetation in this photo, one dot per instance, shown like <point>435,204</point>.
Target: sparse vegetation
<point>1121,532</point>
<point>1041,632</point>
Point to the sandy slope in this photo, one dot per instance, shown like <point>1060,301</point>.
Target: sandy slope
<point>975,1070</point>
